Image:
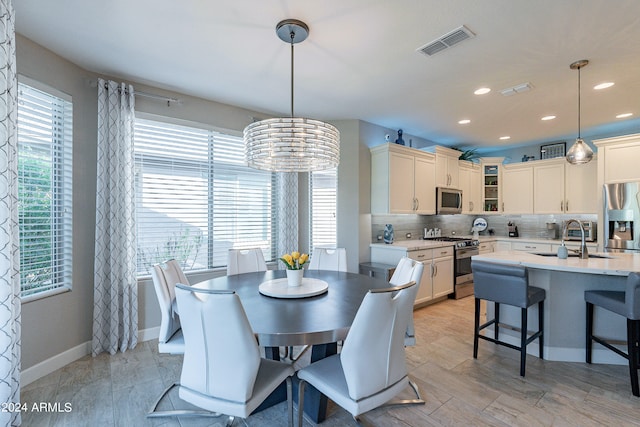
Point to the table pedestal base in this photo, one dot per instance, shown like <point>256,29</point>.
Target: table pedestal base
<point>315,403</point>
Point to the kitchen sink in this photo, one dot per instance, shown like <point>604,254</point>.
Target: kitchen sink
<point>571,255</point>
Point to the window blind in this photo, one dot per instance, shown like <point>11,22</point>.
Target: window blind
<point>44,190</point>
<point>324,185</point>
<point>196,199</point>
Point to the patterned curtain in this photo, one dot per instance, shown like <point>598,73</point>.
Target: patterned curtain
<point>115,312</point>
<point>287,213</point>
<point>9,231</point>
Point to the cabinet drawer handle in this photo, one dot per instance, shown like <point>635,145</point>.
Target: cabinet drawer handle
<point>420,256</point>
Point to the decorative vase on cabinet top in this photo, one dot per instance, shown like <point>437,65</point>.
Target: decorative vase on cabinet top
<point>388,234</point>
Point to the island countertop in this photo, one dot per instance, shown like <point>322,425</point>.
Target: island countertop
<point>615,264</point>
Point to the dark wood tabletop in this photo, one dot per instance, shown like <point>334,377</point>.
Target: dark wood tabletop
<point>320,319</point>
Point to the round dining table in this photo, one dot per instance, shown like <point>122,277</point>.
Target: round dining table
<point>319,321</point>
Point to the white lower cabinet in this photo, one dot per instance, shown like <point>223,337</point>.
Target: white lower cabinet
<point>442,279</point>
<point>437,277</point>
<point>502,245</point>
<point>537,246</point>
<point>530,246</point>
<point>486,247</point>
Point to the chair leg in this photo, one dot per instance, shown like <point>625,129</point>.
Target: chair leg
<point>405,402</point>
<point>589,332</point>
<point>290,401</point>
<point>541,329</point>
<point>176,412</point>
<point>497,323</point>
<point>523,341</point>
<point>632,347</point>
<point>301,386</point>
<point>476,330</point>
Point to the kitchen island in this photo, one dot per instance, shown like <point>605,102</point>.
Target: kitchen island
<point>565,281</point>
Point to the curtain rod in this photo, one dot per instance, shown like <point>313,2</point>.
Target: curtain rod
<point>163,98</point>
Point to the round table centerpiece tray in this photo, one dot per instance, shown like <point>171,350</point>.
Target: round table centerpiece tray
<point>279,288</point>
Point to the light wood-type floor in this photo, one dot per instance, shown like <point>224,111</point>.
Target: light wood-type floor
<point>459,391</point>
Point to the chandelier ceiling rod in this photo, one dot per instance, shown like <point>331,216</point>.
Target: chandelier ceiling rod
<point>290,144</point>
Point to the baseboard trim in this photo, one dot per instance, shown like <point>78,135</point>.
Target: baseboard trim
<point>58,361</point>
<point>54,363</point>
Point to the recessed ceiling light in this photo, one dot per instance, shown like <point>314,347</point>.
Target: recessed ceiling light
<point>482,91</point>
<point>464,122</point>
<point>603,85</point>
<point>624,115</point>
<point>504,138</point>
<point>548,118</point>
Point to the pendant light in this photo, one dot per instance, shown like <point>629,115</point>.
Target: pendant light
<point>579,152</point>
<point>291,144</point>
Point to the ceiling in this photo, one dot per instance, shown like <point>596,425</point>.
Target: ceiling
<point>360,60</point>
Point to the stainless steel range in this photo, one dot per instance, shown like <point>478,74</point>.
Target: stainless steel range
<point>465,248</point>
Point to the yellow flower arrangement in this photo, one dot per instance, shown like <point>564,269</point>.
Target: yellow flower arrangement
<point>294,260</point>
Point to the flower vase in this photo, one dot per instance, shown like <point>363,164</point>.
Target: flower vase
<point>294,277</point>
<point>388,234</point>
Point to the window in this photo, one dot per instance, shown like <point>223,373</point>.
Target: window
<point>196,199</point>
<point>323,190</point>
<point>44,189</point>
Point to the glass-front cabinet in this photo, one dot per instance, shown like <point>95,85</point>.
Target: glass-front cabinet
<point>491,182</point>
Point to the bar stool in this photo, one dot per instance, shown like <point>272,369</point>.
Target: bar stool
<point>506,284</point>
<point>625,303</point>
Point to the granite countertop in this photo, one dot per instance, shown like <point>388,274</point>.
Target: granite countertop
<point>412,245</point>
<point>529,239</point>
<point>417,244</point>
<point>616,264</point>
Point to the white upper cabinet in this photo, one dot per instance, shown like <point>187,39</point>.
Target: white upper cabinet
<point>402,180</point>
<point>470,175</point>
<point>490,185</point>
<point>548,183</point>
<point>517,189</point>
<point>425,184</point>
<point>581,188</point>
<point>447,167</point>
<point>560,187</point>
<point>618,158</point>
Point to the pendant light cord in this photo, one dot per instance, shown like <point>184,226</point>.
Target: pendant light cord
<point>578,102</point>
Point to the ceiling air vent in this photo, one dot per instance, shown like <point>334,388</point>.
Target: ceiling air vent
<point>448,40</point>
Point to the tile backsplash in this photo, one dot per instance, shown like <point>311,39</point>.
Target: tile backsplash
<point>532,226</point>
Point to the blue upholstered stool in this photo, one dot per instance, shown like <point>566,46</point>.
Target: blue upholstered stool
<point>625,303</point>
<point>506,284</point>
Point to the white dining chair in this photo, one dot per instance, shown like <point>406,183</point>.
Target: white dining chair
<point>165,276</point>
<point>371,369</point>
<point>222,370</point>
<point>334,259</point>
<point>245,261</point>
<point>408,270</point>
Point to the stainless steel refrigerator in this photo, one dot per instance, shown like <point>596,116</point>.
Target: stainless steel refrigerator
<point>622,217</point>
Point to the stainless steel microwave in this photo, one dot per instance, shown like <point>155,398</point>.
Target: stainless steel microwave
<point>448,201</point>
<point>573,231</point>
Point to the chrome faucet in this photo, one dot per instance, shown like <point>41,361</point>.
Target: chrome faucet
<point>582,253</point>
